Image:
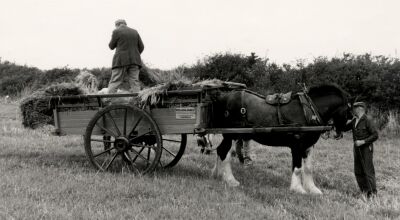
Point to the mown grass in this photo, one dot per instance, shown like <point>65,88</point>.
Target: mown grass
<point>48,177</point>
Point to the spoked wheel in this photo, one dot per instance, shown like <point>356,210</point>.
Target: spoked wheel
<point>173,148</point>
<point>121,137</point>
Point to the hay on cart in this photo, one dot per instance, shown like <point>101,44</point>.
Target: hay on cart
<point>36,109</point>
<point>152,95</point>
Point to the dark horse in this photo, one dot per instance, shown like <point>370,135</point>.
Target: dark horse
<point>330,101</point>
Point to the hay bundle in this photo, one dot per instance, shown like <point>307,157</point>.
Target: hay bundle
<point>36,109</point>
<point>87,81</point>
<point>152,94</point>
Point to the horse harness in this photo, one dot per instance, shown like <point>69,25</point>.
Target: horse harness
<point>309,109</point>
<point>279,99</point>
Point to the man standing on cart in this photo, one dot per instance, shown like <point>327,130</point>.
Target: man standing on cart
<point>126,61</point>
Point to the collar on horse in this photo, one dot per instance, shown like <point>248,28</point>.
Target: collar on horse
<point>309,109</point>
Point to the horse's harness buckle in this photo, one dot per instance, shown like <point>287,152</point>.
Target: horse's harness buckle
<point>243,111</point>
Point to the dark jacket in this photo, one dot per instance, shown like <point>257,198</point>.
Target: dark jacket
<point>365,130</point>
<point>128,46</point>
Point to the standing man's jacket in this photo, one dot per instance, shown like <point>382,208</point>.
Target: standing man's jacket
<point>364,130</point>
<point>128,46</point>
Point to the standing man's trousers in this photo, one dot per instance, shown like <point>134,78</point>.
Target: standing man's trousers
<point>119,75</point>
<point>364,168</point>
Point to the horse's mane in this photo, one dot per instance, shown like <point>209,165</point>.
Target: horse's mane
<point>329,89</point>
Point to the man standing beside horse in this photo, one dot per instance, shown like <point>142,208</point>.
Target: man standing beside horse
<point>126,61</point>
<point>364,134</point>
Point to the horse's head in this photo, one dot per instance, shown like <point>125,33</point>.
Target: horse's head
<point>334,105</point>
<point>340,119</point>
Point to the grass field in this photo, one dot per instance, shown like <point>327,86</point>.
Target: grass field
<point>48,177</point>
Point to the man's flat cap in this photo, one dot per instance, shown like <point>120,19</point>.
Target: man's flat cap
<point>359,104</point>
<point>120,21</point>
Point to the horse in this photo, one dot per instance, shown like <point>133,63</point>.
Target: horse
<point>244,108</point>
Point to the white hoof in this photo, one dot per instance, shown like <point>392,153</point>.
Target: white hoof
<point>298,189</point>
<point>315,190</point>
<point>232,183</point>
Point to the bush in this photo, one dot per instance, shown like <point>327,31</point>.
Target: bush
<point>227,67</point>
<point>14,78</point>
<point>54,76</point>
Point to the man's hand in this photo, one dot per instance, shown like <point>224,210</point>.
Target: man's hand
<point>359,143</point>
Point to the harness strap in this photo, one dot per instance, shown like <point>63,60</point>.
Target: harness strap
<point>243,110</point>
<point>314,109</point>
<point>278,109</point>
<point>309,109</point>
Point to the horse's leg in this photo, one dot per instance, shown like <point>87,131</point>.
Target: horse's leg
<point>308,181</point>
<point>295,184</point>
<point>222,147</point>
<point>223,164</point>
<point>238,150</point>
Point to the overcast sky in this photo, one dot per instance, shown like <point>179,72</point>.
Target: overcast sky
<point>55,33</point>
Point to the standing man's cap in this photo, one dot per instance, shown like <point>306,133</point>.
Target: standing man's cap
<point>359,104</point>
<point>120,21</point>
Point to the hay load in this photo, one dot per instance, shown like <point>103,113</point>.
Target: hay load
<point>36,109</point>
<point>152,95</point>
<point>87,81</point>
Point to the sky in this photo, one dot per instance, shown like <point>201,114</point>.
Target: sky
<point>75,33</point>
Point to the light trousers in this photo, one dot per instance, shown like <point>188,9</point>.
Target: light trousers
<point>122,74</point>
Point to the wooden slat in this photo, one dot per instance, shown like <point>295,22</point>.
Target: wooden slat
<point>80,105</point>
<point>78,131</point>
<point>173,121</point>
<point>178,101</point>
<point>84,97</point>
<point>67,115</point>
<point>74,123</point>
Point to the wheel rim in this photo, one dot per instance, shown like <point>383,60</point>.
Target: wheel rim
<point>173,148</point>
<point>123,138</point>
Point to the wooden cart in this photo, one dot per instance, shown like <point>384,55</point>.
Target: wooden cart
<point>139,139</point>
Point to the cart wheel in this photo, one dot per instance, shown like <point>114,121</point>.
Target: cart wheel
<point>121,137</point>
<point>106,140</point>
<point>173,148</point>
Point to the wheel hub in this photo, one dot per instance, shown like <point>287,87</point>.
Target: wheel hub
<point>121,144</point>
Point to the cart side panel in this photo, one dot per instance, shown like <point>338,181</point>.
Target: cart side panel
<point>181,120</point>
<point>75,122</point>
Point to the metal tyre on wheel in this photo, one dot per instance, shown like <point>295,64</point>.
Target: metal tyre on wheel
<point>122,137</point>
<point>173,148</point>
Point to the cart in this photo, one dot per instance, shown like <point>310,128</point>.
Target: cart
<point>141,138</point>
